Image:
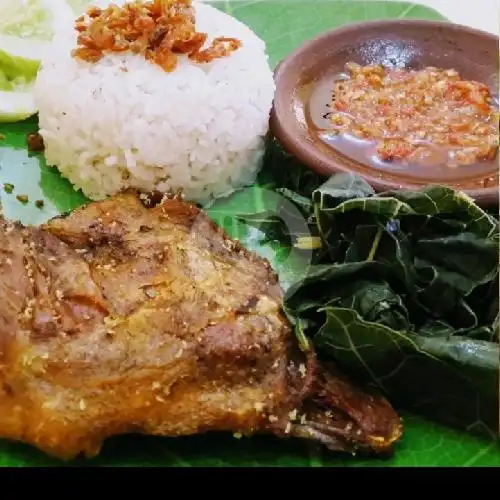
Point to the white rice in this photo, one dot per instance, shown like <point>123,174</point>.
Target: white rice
<point>200,128</point>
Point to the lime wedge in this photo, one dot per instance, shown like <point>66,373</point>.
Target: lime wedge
<point>27,28</point>
<point>16,105</point>
<point>20,56</point>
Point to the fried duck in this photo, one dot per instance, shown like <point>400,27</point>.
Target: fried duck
<point>142,316</point>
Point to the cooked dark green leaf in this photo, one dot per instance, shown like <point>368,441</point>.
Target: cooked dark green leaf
<point>271,225</point>
<point>283,170</point>
<point>303,203</point>
<point>429,375</point>
<point>405,295</point>
<point>388,208</point>
<point>438,200</point>
<point>341,187</point>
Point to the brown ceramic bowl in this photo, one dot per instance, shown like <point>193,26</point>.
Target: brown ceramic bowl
<point>409,43</point>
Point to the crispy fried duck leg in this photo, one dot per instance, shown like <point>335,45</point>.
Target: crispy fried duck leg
<point>121,318</point>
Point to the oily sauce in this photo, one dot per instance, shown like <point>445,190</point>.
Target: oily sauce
<point>415,132</point>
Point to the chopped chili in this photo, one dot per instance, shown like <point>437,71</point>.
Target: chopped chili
<point>410,114</point>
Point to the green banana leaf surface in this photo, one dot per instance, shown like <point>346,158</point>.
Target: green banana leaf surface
<point>284,25</point>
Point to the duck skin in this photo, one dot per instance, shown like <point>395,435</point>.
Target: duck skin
<point>134,315</point>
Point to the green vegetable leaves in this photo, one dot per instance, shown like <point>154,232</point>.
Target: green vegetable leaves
<point>404,294</point>
<point>452,379</point>
<point>339,188</point>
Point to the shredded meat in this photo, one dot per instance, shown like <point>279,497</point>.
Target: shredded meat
<point>430,116</point>
<point>160,30</point>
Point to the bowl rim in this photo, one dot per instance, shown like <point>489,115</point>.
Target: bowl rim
<point>308,154</point>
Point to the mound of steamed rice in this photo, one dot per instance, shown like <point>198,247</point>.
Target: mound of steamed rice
<point>125,123</point>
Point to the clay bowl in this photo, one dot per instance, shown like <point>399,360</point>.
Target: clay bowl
<point>401,43</point>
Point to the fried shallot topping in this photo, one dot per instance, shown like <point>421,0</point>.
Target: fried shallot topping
<point>160,29</point>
